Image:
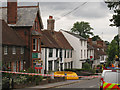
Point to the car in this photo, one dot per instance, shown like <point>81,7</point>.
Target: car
<point>110,79</point>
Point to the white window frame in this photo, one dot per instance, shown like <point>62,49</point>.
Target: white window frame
<point>22,50</point>
<point>13,50</point>
<point>5,50</point>
<point>35,44</point>
<point>38,44</point>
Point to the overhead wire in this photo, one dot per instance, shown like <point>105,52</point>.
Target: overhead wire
<point>72,11</point>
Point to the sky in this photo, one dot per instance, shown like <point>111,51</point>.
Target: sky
<point>67,13</point>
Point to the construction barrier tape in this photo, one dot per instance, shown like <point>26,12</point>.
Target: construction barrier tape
<point>49,74</point>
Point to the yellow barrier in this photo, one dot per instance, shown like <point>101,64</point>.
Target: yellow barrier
<point>68,74</point>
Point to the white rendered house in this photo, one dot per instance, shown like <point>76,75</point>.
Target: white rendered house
<point>79,45</point>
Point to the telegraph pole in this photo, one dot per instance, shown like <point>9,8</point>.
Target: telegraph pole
<point>119,35</point>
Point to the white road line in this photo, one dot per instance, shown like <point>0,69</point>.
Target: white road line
<point>92,86</point>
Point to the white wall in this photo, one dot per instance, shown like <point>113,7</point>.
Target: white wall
<point>53,58</point>
<point>76,44</point>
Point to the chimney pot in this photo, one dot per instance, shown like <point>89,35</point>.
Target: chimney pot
<point>50,17</point>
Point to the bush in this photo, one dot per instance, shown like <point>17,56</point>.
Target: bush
<point>86,66</point>
<point>5,83</point>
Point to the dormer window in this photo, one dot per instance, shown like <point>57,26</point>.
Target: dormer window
<point>34,44</point>
<point>36,25</point>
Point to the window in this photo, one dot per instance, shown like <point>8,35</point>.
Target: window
<point>50,52</point>
<point>13,50</point>
<point>50,65</point>
<point>81,53</point>
<point>81,43</point>
<point>65,54</point>
<point>36,25</point>
<point>65,65</point>
<point>68,54</point>
<point>71,53</point>
<point>60,53</point>
<point>84,54</point>
<point>68,65</point>
<point>5,50</point>
<point>34,44</point>
<point>38,44</point>
<point>56,52</point>
<point>22,50</point>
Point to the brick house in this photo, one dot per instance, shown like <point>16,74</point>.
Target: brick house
<point>100,48</point>
<point>27,22</point>
<point>13,54</point>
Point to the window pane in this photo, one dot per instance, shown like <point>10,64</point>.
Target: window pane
<point>65,54</point>
<point>34,44</point>
<point>13,50</point>
<point>50,52</point>
<point>56,52</point>
<point>68,54</point>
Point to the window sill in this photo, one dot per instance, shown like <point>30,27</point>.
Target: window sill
<point>5,53</point>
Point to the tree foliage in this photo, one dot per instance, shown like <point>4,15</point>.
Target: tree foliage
<point>116,17</point>
<point>94,38</point>
<point>112,49</point>
<point>83,29</point>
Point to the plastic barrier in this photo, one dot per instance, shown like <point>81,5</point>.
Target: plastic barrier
<point>68,75</point>
<point>55,75</point>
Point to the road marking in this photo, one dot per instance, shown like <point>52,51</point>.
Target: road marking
<point>92,86</point>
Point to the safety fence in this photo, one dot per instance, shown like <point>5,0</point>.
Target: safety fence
<point>44,75</point>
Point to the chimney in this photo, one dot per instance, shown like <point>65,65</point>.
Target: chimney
<point>50,23</point>
<point>11,11</point>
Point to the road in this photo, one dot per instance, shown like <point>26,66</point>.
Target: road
<point>93,84</point>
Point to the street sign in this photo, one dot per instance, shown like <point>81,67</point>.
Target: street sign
<point>34,55</point>
<point>38,67</point>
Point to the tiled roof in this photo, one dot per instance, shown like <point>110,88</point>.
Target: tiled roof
<point>53,39</point>
<point>76,35</point>
<point>89,46</point>
<point>9,36</point>
<point>25,16</point>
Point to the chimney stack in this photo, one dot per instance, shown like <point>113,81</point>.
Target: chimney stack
<point>50,23</point>
<point>11,11</point>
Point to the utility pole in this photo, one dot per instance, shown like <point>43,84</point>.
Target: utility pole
<point>119,35</point>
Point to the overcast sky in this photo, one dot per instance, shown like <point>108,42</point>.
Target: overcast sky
<point>96,13</point>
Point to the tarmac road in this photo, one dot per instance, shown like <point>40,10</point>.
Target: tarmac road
<point>84,84</point>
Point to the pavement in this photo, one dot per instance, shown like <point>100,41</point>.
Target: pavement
<point>53,85</point>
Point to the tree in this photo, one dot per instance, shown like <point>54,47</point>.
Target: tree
<point>83,29</point>
<point>112,50</point>
<point>116,17</point>
<point>94,38</point>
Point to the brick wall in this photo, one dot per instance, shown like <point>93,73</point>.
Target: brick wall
<point>10,57</point>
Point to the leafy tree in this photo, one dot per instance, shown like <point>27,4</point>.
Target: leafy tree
<point>112,50</point>
<point>116,17</point>
<point>83,29</point>
<point>107,43</point>
<point>96,38</point>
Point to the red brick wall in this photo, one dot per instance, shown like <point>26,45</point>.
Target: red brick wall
<point>12,12</point>
<point>12,57</point>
